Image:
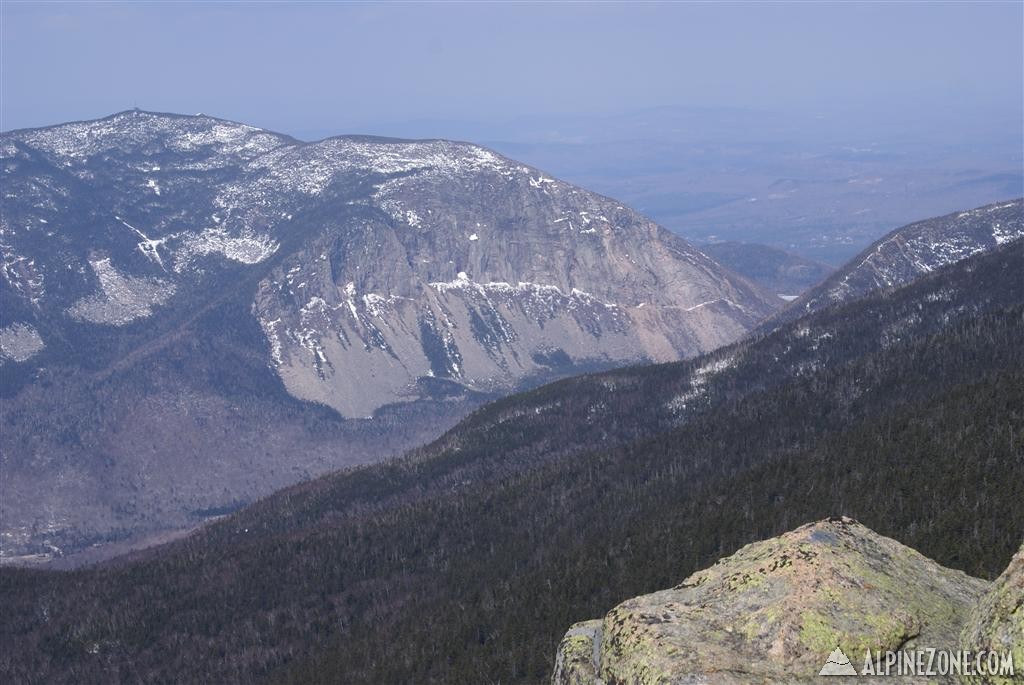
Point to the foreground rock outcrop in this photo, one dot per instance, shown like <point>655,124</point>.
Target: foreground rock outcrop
<point>997,624</point>
<point>776,611</point>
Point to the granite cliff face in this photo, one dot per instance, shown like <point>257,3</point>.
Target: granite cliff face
<point>481,271</point>
<point>181,296</point>
<point>775,611</point>
<point>380,264</point>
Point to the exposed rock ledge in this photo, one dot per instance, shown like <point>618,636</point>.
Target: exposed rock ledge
<point>774,611</point>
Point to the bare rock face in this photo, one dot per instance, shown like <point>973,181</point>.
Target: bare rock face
<point>579,655</point>
<point>775,612</point>
<point>481,271</point>
<point>997,624</point>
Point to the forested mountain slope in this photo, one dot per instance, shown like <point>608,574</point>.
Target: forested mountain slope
<point>466,560</point>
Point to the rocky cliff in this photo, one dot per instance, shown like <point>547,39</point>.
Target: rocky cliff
<point>380,263</point>
<point>997,623</point>
<point>181,296</point>
<point>776,611</point>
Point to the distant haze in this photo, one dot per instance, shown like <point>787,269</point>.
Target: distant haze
<point>316,69</point>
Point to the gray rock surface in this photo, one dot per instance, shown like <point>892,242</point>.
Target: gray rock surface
<point>997,623</point>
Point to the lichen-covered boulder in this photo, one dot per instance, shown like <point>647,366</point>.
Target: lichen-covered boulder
<point>997,624</point>
<point>776,611</point>
<point>578,655</point>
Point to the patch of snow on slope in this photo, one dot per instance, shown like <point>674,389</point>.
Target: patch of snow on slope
<point>541,181</point>
<point>20,342</point>
<point>698,382</point>
<point>463,283</point>
<point>928,255</point>
<point>397,211</point>
<point>314,317</point>
<point>247,248</point>
<point>1002,234</point>
<point>377,305</point>
<point>122,298</point>
<point>129,130</point>
<point>400,157</point>
<point>309,169</point>
<point>723,300</point>
<point>227,137</point>
<point>350,299</point>
<point>148,246</point>
<point>270,330</point>
<point>21,273</point>
<point>537,300</point>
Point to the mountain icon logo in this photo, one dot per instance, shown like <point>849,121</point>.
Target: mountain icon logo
<point>838,664</point>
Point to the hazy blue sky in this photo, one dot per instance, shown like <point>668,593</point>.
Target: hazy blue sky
<point>347,67</point>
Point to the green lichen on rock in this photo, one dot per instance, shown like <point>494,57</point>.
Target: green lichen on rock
<point>774,611</point>
<point>817,633</point>
<point>997,623</point>
<point>576,660</point>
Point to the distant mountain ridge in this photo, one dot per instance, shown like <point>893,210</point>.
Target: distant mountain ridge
<point>182,296</point>
<point>911,251</point>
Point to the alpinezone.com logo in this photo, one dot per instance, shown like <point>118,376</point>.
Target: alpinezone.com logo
<point>922,662</point>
